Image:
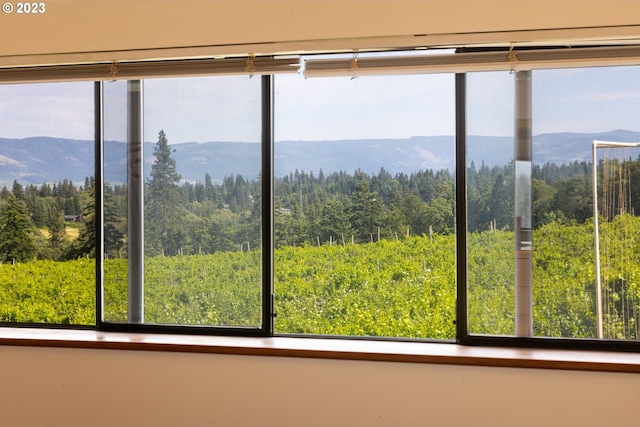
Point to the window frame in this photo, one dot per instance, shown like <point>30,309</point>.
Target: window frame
<point>463,337</point>
<point>267,300</point>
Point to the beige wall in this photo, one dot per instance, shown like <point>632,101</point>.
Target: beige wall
<point>71,387</point>
<point>109,29</point>
<point>67,387</point>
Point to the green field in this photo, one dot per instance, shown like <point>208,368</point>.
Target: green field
<point>403,288</point>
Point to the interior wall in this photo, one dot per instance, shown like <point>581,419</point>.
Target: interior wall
<point>81,387</point>
<point>111,29</point>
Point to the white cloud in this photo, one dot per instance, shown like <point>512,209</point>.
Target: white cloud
<point>63,110</point>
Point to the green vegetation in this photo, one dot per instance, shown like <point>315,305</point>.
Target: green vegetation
<point>355,254</point>
<point>403,288</point>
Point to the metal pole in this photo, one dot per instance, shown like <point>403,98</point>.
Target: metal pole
<point>135,186</point>
<point>523,217</point>
<point>462,326</point>
<point>268,300</point>
<point>98,188</point>
<point>596,241</point>
<point>596,227</point>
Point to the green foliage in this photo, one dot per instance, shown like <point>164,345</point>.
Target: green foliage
<point>162,205</point>
<point>398,279</point>
<point>396,288</point>
<point>388,288</point>
<point>490,295</point>
<point>48,292</point>
<point>16,232</point>
<point>85,244</point>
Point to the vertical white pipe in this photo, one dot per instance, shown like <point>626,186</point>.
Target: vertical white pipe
<point>522,206</point>
<point>135,186</point>
<point>596,241</point>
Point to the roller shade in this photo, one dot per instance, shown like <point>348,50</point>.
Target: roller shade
<point>515,60</point>
<point>149,69</point>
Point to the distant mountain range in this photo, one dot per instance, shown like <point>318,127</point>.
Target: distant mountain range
<point>42,159</point>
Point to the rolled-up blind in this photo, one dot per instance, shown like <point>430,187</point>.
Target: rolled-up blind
<point>515,60</point>
<point>149,69</point>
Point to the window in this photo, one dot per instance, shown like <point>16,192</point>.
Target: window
<point>46,204</point>
<point>420,196</point>
<point>365,206</point>
<point>198,234</point>
<point>530,200</point>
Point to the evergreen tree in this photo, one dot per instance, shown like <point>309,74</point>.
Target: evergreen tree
<point>163,204</point>
<point>16,232</point>
<point>17,190</point>
<point>85,244</point>
<point>333,221</point>
<point>115,226</point>
<point>57,234</point>
<point>366,210</point>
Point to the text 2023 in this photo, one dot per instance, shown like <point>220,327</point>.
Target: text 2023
<point>30,8</point>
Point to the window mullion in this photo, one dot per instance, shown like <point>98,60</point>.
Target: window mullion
<point>461,207</point>
<point>98,187</point>
<point>267,205</point>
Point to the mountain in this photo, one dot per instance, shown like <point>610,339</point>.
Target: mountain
<point>43,159</point>
<point>40,159</point>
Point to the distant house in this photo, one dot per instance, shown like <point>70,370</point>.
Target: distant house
<point>73,218</point>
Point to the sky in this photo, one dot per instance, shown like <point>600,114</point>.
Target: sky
<point>228,108</point>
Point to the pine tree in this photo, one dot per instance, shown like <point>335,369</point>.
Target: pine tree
<point>16,232</point>
<point>85,244</point>
<point>366,209</point>
<point>162,218</point>
<point>57,234</point>
<point>17,190</point>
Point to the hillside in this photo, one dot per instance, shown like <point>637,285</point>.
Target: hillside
<point>43,159</point>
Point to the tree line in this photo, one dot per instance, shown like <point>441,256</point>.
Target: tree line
<point>310,209</point>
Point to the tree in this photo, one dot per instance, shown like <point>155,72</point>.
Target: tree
<point>16,232</point>
<point>573,199</point>
<point>85,244</point>
<point>115,225</point>
<point>333,221</point>
<point>163,204</point>
<point>56,226</point>
<point>17,190</point>
<point>366,209</point>
<point>414,214</point>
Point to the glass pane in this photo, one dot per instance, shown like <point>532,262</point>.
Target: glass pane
<point>202,216</point>
<point>571,109</point>
<point>490,203</point>
<point>365,206</point>
<point>47,245</point>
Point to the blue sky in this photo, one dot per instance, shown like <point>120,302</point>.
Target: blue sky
<point>227,109</point>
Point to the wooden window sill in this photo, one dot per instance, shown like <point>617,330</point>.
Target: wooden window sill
<point>330,348</point>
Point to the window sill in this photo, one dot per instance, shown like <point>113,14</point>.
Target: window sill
<point>345,349</point>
